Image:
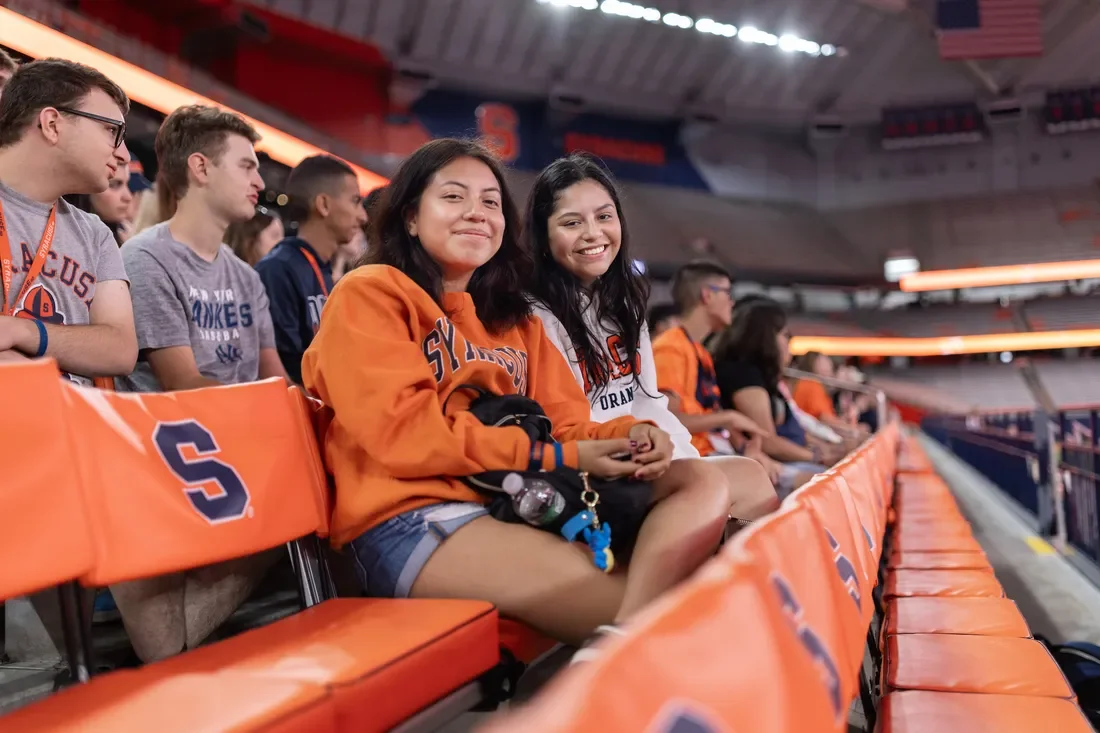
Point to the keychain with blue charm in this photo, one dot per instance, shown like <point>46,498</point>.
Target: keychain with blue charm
<point>586,523</point>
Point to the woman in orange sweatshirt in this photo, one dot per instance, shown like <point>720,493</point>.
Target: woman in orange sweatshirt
<point>439,303</point>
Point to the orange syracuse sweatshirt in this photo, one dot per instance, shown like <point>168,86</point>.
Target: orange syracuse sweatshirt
<point>386,358</point>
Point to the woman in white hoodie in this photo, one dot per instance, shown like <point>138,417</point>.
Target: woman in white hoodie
<point>592,304</point>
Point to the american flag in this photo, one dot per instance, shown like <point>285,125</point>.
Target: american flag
<point>989,29</point>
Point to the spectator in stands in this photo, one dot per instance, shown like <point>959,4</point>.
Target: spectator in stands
<point>592,305</point>
<point>439,304</point>
<point>816,400</point>
<point>202,319</point>
<point>325,204</point>
<point>139,185</point>
<point>251,240</point>
<point>348,254</point>
<point>701,292</point>
<point>661,318</point>
<point>111,206</point>
<point>749,358</point>
<point>61,131</point>
<point>7,68</point>
<point>148,212</point>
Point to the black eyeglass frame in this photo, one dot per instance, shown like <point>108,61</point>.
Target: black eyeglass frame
<point>119,125</point>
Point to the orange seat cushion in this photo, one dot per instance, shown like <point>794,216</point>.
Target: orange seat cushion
<point>977,616</point>
<point>525,644</point>
<point>931,542</point>
<point>131,701</point>
<point>958,583</point>
<point>382,659</point>
<point>938,561</point>
<point>991,665</point>
<point>918,711</point>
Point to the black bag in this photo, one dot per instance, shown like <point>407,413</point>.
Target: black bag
<point>1080,663</point>
<point>623,503</point>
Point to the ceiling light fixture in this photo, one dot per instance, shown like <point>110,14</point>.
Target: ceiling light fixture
<point>787,42</point>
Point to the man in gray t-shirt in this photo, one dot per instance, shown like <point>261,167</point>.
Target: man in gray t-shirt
<point>217,308</point>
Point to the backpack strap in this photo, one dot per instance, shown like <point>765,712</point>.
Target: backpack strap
<point>478,392</point>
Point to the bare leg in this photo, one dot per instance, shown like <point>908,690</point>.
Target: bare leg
<point>680,534</point>
<point>213,593</point>
<point>152,612</point>
<point>527,574</point>
<point>752,494</point>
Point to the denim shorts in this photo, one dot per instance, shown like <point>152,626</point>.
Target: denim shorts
<point>389,557</point>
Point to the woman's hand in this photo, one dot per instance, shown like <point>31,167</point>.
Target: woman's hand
<point>651,447</point>
<point>738,423</point>
<point>595,457</point>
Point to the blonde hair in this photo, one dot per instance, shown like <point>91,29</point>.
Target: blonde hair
<point>149,213</point>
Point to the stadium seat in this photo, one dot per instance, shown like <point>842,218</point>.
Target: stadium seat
<point>131,701</point>
<point>919,711</point>
<point>972,616</point>
<point>703,658</point>
<point>950,583</point>
<point>938,561</point>
<point>181,480</point>
<point>991,665</point>
<point>40,490</point>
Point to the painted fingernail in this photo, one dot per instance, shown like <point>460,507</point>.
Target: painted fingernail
<point>633,444</point>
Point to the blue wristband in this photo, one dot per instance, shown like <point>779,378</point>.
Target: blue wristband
<point>43,338</point>
<point>559,457</point>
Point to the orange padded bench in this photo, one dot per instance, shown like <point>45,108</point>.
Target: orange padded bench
<point>916,711</point>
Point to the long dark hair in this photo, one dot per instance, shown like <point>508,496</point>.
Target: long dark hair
<point>497,286</point>
<point>751,338</point>
<point>619,295</point>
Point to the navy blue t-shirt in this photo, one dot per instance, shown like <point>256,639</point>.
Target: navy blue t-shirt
<point>296,297</point>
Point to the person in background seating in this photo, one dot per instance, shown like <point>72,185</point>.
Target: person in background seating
<point>251,240</point>
<point>592,305</point>
<point>112,206</point>
<point>701,292</point>
<point>62,127</point>
<point>325,204</point>
<point>7,68</point>
<point>439,303</point>
<point>749,359</point>
<point>816,400</point>
<point>661,318</point>
<point>202,320</point>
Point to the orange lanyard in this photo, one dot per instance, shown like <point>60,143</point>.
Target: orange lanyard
<point>6,269</point>
<point>316,270</point>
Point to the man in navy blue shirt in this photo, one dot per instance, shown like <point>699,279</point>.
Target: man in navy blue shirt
<point>325,204</point>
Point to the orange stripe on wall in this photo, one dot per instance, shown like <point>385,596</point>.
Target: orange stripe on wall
<point>975,344</point>
<point>984,277</point>
<point>38,41</point>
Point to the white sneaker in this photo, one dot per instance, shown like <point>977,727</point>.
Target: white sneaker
<point>590,650</point>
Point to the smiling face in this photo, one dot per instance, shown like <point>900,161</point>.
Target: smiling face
<point>459,219</point>
<point>584,230</point>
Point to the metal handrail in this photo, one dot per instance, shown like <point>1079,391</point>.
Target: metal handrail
<point>845,384</point>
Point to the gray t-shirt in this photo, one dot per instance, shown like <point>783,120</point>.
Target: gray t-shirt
<point>217,308</point>
<point>84,253</point>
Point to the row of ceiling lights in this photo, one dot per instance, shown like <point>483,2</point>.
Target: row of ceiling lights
<point>747,34</point>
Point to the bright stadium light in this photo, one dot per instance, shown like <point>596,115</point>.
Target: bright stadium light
<point>787,42</point>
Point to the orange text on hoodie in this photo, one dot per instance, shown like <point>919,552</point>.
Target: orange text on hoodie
<point>385,360</point>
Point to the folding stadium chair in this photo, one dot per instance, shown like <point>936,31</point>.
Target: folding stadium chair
<point>722,652</point>
<point>187,479</point>
<point>520,646</point>
<point>41,499</point>
<point>916,711</point>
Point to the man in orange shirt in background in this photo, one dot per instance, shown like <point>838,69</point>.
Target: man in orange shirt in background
<point>702,294</point>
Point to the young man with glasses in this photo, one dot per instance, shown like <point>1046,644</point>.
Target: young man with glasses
<point>202,320</point>
<point>65,292</point>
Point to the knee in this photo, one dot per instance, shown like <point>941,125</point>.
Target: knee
<point>751,493</point>
<point>709,487</point>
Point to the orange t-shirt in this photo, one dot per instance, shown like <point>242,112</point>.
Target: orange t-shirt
<point>812,399</point>
<point>387,357</point>
<point>685,369</point>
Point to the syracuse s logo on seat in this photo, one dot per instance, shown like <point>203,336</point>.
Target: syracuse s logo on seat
<point>233,499</point>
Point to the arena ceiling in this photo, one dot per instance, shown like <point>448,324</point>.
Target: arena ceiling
<point>888,54</point>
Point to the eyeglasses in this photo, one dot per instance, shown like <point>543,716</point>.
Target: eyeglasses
<point>119,125</point>
<point>719,289</point>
